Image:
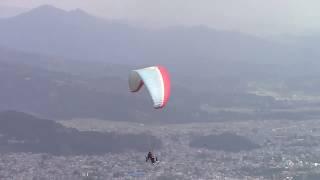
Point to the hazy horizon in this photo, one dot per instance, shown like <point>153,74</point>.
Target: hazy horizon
<point>291,17</point>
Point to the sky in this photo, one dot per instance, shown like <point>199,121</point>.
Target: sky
<point>250,16</point>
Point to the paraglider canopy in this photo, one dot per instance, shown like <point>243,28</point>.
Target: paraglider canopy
<point>157,81</point>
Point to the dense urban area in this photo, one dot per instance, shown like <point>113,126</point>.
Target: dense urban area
<point>284,150</point>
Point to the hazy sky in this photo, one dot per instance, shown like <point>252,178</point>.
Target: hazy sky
<point>256,16</point>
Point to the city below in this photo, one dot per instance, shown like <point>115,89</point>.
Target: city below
<point>285,150</point>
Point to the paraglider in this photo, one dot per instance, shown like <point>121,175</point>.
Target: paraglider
<point>157,81</point>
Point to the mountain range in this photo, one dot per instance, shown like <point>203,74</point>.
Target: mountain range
<point>78,35</point>
<point>209,53</point>
<point>70,64</point>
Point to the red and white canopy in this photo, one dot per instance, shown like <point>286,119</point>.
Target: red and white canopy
<point>157,81</point>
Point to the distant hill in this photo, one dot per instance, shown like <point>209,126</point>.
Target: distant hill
<point>65,64</point>
<point>74,34</point>
<point>224,142</point>
<point>22,132</point>
<point>226,59</point>
<point>78,35</point>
